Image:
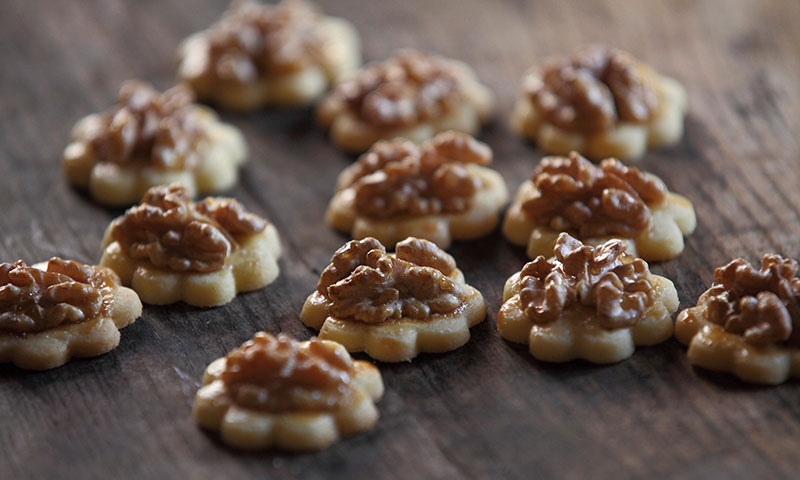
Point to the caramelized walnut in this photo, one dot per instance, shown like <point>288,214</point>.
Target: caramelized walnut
<point>761,305</point>
<point>280,374</point>
<point>408,88</point>
<point>592,90</point>
<point>158,129</point>
<point>365,283</point>
<point>576,196</point>
<point>398,177</point>
<point>231,216</point>
<point>254,40</point>
<point>171,231</point>
<point>620,289</point>
<point>33,300</point>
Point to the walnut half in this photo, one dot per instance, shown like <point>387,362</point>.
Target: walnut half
<point>255,40</point>
<point>408,88</point>
<point>279,374</point>
<point>172,232</point>
<point>619,288</point>
<point>34,300</point>
<point>159,129</point>
<point>397,177</point>
<point>575,196</point>
<point>365,283</point>
<point>761,305</point>
<point>592,90</point>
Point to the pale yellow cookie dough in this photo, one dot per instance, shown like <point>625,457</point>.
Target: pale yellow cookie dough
<point>575,94</point>
<point>58,310</point>
<point>419,95</point>
<point>570,321</point>
<point>366,301</point>
<point>662,237</point>
<point>758,346</point>
<point>118,169</point>
<point>243,261</point>
<point>286,394</point>
<point>443,164</point>
<point>314,51</point>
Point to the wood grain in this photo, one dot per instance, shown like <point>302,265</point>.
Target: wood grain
<point>487,410</point>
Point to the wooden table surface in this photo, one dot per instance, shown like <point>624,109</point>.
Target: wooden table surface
<point>488,409</point>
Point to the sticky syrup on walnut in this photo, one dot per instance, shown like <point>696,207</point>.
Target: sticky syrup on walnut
<point>398,177</point>
<point>406,89</point>
<point>620,289</point>
<point>67,292</point>
<point>172,232</point>
<point>255,40</point>
<point>365,283</point>
<point>148,127</point>
<point>575,196</point>
<point>762,305</point>
<point>280,374</point>
<point>592,90</point>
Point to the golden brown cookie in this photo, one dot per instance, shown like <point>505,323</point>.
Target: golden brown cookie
<point>393,306</point>
<point>278,392</point>
<point>748,322</point>
<point>596,203</point>
<point>440,191</point>
<point>593,303</point>
<point>412,94</point>
<point>60,309</point>
<point>601,102</point>
<point>259,54</point>
<point>170,249</point>
<point>151,138</point>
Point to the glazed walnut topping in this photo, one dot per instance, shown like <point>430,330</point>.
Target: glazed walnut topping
<point>398,177</point>
<point>171,231</point>
<point>67,292</point>
<point>254,40</point>
<point>158,129</point>
<point>280,374</point>
<point>619,288</point>
<point>406,89</point>
<point>592,90</point>
<point>365,283</point>
<point>574,195</point>
<point>763,306</point>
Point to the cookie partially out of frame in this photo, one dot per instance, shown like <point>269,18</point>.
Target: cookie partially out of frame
<point>412,94</point>
<point>393,306</point>
<point>601,102</point>
<point>748,322</point>
<point>276,392</point>
<point>60,309</point>
<point>149,139</point>
<point>170,249</point>
<point>442,190</point>
<point>259,54</point>
<point>591,303</point>
<point>597,203</point>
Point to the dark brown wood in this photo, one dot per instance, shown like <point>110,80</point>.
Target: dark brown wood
<point>487,410</point>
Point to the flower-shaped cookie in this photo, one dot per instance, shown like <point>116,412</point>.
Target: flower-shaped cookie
<point>393,307</point>
<point>169,249</point>
<point>601,102</point>
<point>256,55</point>
<point>412,94</point>
<point>748,322</point>
<point>593,303</point>
<point>438,191</point>
<point>60,309</point>
<point>150,139</point>
<point>278,392</point>
<point>595,203</point>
